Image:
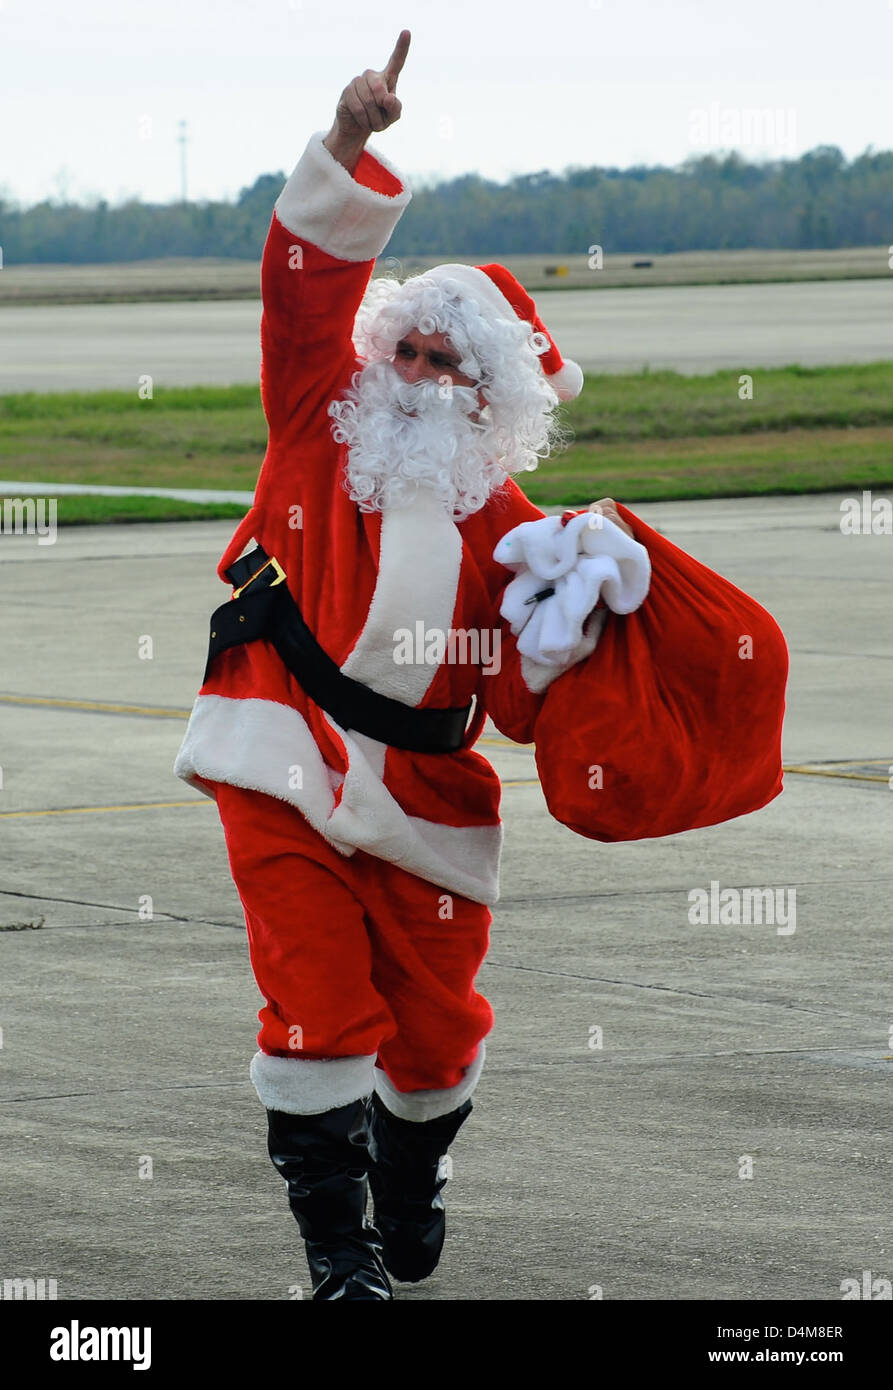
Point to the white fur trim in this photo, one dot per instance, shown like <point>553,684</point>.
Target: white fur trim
<point>429,1105</point>
<point>420,557</point>
<point>538,677</point>
<point>301,1086</point>
<point>323,204</point>
<point>463,858</point>
<point>567,382</point>
<point>254,744</point>
<point>257,744</point>
<point>476,283</point>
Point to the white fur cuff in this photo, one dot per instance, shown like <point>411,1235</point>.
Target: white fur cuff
<point>323,204</point>
<point>429,1105</point>
<point>305,1087</point>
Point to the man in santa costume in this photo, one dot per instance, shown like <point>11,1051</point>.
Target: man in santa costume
<point>333,725</point>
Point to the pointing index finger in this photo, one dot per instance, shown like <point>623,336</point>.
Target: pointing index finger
<point>397,59</point>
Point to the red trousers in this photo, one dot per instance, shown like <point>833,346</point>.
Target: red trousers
<point>354,956</point>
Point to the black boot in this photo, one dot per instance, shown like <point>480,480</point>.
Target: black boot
<point>406,1181</point>
<point>324,1159</point>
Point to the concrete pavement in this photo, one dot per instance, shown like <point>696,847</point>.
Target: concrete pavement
<point>126,1038</point>
<point>689,328</point>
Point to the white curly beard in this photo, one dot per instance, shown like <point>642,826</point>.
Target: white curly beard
<point>392,453</point>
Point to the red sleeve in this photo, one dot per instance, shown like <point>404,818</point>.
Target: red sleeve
<point>325,233</point>
<point>310,301</point>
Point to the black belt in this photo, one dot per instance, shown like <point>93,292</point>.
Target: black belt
<point>262,606</point>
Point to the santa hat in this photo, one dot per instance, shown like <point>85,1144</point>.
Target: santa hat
<point>500,295</point>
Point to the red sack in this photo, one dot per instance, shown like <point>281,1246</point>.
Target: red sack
<point>674,721</point>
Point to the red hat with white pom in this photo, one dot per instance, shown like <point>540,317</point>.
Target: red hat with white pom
<point>498,292</point>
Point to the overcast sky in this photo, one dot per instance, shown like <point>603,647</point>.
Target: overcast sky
<point>92,91</point>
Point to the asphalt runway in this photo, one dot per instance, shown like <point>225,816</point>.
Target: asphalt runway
<point>620,1171</point>
<point>692,329</point>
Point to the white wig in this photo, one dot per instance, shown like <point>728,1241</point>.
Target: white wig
<point>499,354</point>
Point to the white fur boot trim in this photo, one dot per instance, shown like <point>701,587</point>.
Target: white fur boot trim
<point>429,1105</point>
<point>302,1086</point>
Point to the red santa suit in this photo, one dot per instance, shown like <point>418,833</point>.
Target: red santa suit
<point>366,871</point>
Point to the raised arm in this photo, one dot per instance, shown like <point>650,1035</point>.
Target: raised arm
<point>335,214</point>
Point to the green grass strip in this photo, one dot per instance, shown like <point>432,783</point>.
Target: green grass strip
<point>98,511</point>
<point>645,435</point>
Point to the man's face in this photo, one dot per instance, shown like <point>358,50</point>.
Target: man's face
<point>430,355</point>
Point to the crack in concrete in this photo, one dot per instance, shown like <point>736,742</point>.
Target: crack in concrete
<point>634,1059</point>
<point>652,892</point>
<point>85,902</point>
<point>668,989</point>
<point>124,1090</point>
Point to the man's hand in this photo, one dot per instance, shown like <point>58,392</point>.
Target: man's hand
<point>368,104</point>
<point>606,507</point>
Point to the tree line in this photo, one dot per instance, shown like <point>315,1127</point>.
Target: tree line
<point>711,202</point>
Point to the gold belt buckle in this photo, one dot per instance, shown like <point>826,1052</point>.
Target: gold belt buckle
<point>280,576</point>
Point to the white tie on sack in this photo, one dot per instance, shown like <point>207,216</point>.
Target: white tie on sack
<point>588,559</point>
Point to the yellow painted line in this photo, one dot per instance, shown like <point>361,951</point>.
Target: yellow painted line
<point>155,712</point>
<point>164,805</point>
<point>96,705</point>
<point>806,771</point>
<point>93,810</point>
